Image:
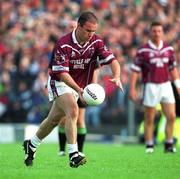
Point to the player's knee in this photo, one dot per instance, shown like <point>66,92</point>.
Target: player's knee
<point>149,121</point>
<point>73,113</point>
<point>62,121</point>
<point>54,123</point>
<point>172,118</point>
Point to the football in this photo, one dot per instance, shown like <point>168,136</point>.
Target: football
<point>94,94</point>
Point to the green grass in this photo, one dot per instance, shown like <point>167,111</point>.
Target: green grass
<point>105,161</point>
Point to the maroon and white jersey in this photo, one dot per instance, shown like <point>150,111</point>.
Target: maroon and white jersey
<point>79,61</point>
<point>154,62</point>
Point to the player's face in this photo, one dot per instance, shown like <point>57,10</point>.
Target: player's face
<point>87,31</point>
<point>156,33</point>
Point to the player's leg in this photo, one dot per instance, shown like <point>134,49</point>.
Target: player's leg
<point>149,128</point>
<point>81,129</point>
<point>64,104</point>
<point>150,100</point>
<point>169,111</point>
<point>168,108</point>
<point>45,128</point>
<point>70,107</point>
<point>81,133</point>
<point>62,137</point>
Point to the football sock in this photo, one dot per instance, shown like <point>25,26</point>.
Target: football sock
<point>72,148</point>
<point>169,141</point>
<point>149,143</point>
<point>62,138</point>
<point>81,135</point>
<point>35,141</point>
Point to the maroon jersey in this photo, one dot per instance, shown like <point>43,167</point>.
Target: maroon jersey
<point>154,63</point>
<point>79,61</point>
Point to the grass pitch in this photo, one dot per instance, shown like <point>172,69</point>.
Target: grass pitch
<point>104,161</point>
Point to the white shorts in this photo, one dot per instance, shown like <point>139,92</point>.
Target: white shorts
<point>56,88</point>
<point>158,93</point>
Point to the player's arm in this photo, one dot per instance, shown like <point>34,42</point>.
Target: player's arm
<point>107,58</point>
<point>95,76</point>
<point>96,72</point>
<point>116,71</point>
<point>174,72</point>
<point>175,79</point>
<point>65,77</point>
<point>132,90</point>
<point>136,68</point>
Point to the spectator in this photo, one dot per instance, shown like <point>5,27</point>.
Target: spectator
<point>30,28</point>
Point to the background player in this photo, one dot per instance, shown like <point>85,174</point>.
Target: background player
<point>155,60</point>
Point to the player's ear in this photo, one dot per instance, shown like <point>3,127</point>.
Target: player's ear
<point>79,25</point>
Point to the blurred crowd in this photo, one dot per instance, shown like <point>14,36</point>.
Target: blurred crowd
<point>30,28</point>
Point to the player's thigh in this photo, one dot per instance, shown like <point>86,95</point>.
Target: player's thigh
<point>56,89</point>
<point>81,117</point>
<point>55,113</point>
<point>169,110</point>
<point>67,103</point>
<point>152,95</point>
<point>167,93</point>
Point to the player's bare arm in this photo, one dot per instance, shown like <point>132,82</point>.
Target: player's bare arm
<point>132,91</point>
<point>116,70</point>
<point>95,76</point>
<point>175,79</point>
<point>65,77</point>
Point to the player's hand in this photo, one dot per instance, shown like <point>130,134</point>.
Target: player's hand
<point>117,82</point>
<point>80,92</point>
<point>134,97</point>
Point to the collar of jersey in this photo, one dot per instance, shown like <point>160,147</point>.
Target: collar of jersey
<point>152,45</point>
<point>75,40</point>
